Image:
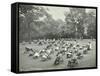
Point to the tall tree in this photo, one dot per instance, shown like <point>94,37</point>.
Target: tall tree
<point>28,14</point>
<point>91,22</point>
<point>75,20</point>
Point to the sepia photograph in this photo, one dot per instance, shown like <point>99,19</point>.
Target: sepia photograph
<point>56,37</point>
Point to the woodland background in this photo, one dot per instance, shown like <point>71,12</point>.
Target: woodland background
<point>36,23</point>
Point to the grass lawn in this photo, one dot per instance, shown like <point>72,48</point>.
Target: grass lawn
<point>29,64</point>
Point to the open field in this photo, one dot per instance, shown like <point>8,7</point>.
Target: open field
<point>27,63</point>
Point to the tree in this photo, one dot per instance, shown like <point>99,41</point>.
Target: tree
<point>28,14</point>
<point>91,22</point>
<point>74,21</point>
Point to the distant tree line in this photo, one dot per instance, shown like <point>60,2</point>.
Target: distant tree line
<point>35,22</point>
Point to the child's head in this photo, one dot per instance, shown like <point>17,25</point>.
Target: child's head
<point>89,42</point>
